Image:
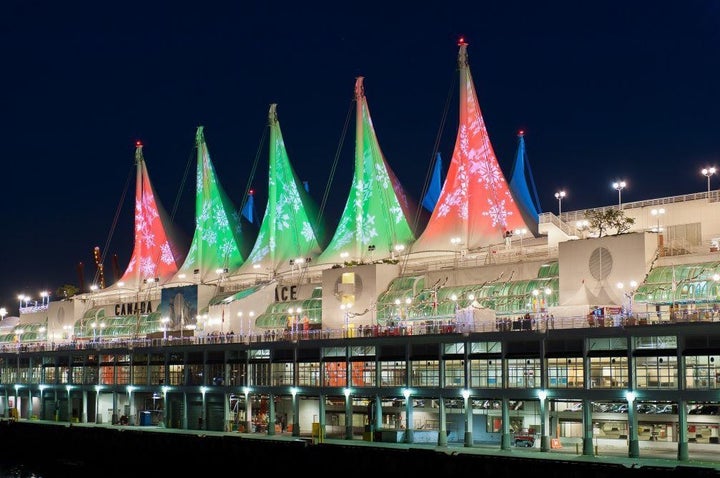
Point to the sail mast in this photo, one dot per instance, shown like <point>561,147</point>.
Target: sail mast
<point>272,183</point>
<point>359,167</point>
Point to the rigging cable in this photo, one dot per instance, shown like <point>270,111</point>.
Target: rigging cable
<point>182,183</point>
<point>321,211</point>
<point>115,221</point>
<point>248,187</point>
<point>428,176</point>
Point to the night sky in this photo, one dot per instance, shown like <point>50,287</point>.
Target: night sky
<point>604,91</point>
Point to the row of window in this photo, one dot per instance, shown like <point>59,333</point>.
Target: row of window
<point>700,372</point>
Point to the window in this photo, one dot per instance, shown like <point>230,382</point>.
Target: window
<point>425,373</point>
<point>454,373</point>
<point>392,374</point>
<point>609,372</point>
<point>486,373</point>
<point>523,373</point>
<point>565,372</point>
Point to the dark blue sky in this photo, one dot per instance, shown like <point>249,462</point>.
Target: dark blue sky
<point>605,91</point>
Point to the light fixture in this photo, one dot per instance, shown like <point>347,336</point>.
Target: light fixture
<point>559,196</point>
<point>619,186</point>
<point>707,172</point>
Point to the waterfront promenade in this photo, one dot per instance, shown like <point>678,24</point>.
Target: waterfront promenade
<point>122,451</point>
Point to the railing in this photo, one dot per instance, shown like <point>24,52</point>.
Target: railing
<point>438,326</point>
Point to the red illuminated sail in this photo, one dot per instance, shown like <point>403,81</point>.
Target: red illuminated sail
<point>155,255</point>
<point>475,206</point>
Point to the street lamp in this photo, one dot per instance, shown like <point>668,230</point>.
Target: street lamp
<point>657,213</point>
<point>346,310</point>
<point>619,186</point>
<point>165,321</point>
<point>521,233</point>
<point>707,172</point>
<point>456,241</point>
<point>559,196</point>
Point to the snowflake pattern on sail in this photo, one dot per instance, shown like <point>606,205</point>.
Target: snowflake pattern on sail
<point>217,239</point>
<point>475,201</point>
<point>286,231</point>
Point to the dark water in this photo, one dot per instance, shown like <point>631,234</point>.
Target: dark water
<point>13,470</point>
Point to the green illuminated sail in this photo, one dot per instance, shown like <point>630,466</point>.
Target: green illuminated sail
<point>376,210</point>
<point>217,244</point>
<point>287,232</point>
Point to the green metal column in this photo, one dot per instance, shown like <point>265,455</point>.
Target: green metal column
<point>296,415</point>
<point>83,415</point>
<point>442,418</point>
<point>30,405</point>
<point>248,412</point>
<point>633,444</point>
<point>544,438</point>
<point>682,452</point>
<point>587,428</point>
<point>409,435</point>
<point>378,412</point>
<point>114,405</point>
<point>271,415</point>
<point>321,419</point>
<point>226,413</point>
<point>69,405</point>
<point>184,423</point>
<point>166,414</point>
<point>468,419</point>
<point>506,438</point>
<point>348,416</point>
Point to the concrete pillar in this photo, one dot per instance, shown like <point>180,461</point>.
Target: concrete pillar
<point>506,440</point>
<point>442,419</point>
<point>587,428</point>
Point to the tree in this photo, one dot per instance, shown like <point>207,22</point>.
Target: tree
<point>604,220</point>
<point>66,291</point>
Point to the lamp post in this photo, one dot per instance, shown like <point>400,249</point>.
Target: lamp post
<point>619,186</point>
<point>521,233</point>
<point>346,311</point>
<point>707,172</point>
<point>165,321</point>
<point>559,196</point>
<point>582,226</point>
<point>657,213</point>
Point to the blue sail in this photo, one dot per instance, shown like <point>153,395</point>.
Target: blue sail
<point>522,185</point>
<point>433,192</point>
<point>249,208</point>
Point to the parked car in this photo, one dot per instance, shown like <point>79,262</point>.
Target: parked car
<point>647,408</point>
<point>705,409</point>
<point>523,440</point>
